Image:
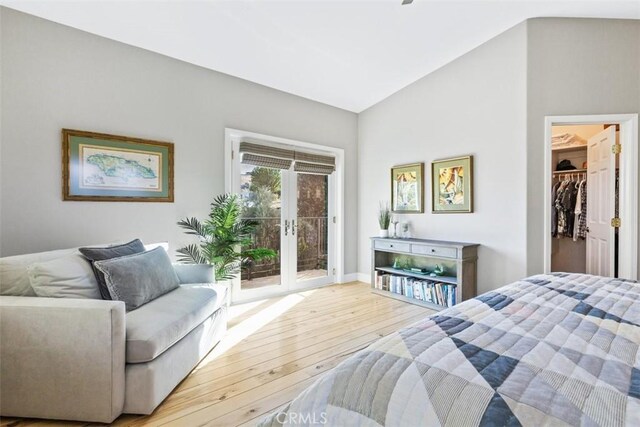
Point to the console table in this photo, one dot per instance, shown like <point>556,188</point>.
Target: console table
<point>403,269</point>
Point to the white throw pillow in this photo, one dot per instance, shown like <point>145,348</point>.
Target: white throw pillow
<point>70,276</point>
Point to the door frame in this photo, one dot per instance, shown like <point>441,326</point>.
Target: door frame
<point>337,245</point>
<point>628,236</point>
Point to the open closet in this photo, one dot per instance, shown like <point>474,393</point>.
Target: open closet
<point>584,199</point>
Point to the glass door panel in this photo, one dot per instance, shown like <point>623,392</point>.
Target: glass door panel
<point>312,227</point>
<point>261,198</point>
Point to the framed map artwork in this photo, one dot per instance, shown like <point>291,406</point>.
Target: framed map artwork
<point>101,167</point>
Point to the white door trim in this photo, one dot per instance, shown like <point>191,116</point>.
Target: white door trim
<point>628,243</point>
<point>231,134</point>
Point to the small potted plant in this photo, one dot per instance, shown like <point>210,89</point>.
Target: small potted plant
<point>384,219</point>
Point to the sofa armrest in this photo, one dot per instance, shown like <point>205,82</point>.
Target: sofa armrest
<point>62,358</point>
<point>194,273</point>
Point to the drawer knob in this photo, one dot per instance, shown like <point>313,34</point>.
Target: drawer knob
<point>433,250</point>
<point>391,246</point>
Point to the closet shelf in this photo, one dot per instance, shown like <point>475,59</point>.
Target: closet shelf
<point>569,172</point>
<point>570,148</point>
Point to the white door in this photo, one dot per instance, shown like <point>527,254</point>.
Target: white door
<point>601,203</point>
<point>312,230</point>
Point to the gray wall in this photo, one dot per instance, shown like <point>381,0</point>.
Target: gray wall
<point>491,103</point>
<point>55,77</point>
<point>474,105</point>
<point>576,66</point>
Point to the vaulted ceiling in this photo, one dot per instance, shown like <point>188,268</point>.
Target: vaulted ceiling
<point>349,54</point>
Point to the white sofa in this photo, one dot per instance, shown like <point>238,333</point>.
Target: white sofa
<point>89,360</point>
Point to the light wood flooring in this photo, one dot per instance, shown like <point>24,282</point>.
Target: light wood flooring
<point>273,350</point>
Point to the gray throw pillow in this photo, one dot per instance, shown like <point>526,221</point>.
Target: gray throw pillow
<point>139,278</point>
<point>109,252</point>
<point>69,276</point>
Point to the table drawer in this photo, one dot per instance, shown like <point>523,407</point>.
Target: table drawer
<point>392,246</point>
<point>435,251</point>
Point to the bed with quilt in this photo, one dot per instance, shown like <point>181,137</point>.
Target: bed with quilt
<point>556,349</point>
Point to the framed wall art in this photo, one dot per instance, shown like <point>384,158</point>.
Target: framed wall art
<point>101,167</point>
<point>452,185</point>
<point>407,188</point>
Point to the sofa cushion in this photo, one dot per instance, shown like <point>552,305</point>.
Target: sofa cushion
<point>157,325</point>
<point>139,278</point>
<point>68,277</point>
<point>195,273</point>
<point>94,254</point>
<point>14,278</point>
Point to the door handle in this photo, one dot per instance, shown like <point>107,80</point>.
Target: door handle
<point>293,227</point>
<point>588,229</point>
<point>286,227</point>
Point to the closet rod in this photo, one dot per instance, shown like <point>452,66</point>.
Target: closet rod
<point>569,172</point>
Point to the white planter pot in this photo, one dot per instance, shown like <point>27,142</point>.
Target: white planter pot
<point>384,233</point>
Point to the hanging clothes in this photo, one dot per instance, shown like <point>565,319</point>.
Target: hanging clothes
<point>568,209</point>
<point>569,202</point>
<point>576,213</point>
<point>563,206</point>
<point>581,212</point>
<point>554,210</point>
<point>560,208</point>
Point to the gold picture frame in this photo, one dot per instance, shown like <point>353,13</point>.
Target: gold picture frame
<point>452,185</point>
<point>99,167</point>
<point>407,188</point>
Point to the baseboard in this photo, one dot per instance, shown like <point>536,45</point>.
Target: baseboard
<point>364,277</point>
<point>356,277</point>
<point>351,277</point>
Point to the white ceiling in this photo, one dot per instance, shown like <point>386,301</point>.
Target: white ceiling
<point>349,54</point>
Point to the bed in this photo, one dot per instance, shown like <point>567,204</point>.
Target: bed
<point>558,349</point>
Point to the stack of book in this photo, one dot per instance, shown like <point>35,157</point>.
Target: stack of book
<point>424,290</point>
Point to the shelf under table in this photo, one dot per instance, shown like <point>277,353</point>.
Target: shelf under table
<point>442,279</point>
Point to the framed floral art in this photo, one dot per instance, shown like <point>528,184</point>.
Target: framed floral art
<point>452,185</point>
<point>407,188</point>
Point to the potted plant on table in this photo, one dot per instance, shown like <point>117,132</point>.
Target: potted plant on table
<point>225,239</point>
<point>384,218</point>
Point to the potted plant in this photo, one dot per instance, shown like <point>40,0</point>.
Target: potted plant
<point>384,218</point>
<point>225,239</point>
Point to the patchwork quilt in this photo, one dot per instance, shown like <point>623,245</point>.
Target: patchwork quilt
<point>558,349</point>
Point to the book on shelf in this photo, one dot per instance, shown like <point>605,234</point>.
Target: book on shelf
<point>418,291</point>
<point>381,281</point>
<point>424,290</point>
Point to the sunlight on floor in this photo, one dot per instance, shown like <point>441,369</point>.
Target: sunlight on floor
<point>275,280</point>
<point>239,309</point>
<point>249,326</point>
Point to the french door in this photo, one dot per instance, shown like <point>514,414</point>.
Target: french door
<point>294,213</point>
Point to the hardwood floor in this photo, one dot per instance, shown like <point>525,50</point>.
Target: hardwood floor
<point>273,350</point>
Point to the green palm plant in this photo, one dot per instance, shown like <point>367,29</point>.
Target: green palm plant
<point>225,239</point>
